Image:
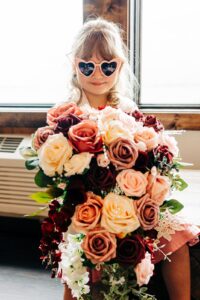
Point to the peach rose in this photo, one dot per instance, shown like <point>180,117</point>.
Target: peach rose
<point>57,112</point>
<point>118,215</point>
<point>169,141</point>
<point>54,153</point>
<point>88,214</point>
<point>148,136</point>
<point>132,183</point>
<point>85,137</point>
<point>41,136</point>
<point>102,160</point>
<point>113,130</point>
<point>147,212</point>
<point>122,153</point>
<point>158,187</point>
<point>99,245</point>
<point>77,164</point>
<point>144,270</point>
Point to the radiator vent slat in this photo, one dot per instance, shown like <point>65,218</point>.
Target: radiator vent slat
<point>9,144</point>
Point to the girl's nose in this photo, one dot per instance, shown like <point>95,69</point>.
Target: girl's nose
<point>97,73</point>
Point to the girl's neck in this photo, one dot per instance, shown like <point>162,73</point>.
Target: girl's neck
<point>96,100</point>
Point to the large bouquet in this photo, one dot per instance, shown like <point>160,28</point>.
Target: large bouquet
<point>107,176</point>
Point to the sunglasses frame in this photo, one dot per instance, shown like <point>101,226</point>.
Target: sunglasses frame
<point>117,60</point>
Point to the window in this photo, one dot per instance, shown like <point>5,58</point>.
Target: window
<point>36,36</point>
<point>167,52</point>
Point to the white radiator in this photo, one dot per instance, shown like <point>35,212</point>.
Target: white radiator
<point>16,182</point>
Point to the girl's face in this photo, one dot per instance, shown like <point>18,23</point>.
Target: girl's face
<point>97,80</point>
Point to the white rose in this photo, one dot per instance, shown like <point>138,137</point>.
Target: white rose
<point>102,160</point>
<point>78,163</point>
<point>144,270</point>
<point>54,153</point>
<point>115,129</point>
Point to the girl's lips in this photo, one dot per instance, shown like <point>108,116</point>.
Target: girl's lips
<point>97,83</point>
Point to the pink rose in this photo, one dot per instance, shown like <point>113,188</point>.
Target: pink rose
<point>99,245</point>
<point>122,153</point>
<point>148,136</point>
<point>144,270</point>
<point>169,141</point>
<point>58,112</point>
<point>158,187</point>
<point>132,183</point>
<point>147,212</point>
<point>85,137</point>
<point>88,214</point>
<point>41,136</point>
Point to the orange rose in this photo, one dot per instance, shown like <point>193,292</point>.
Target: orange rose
<point>88,214</point>
<point>99,245</point>
<point>118,215</point>
<point>132,183</point>
<point>85,137</point>
<point>58,112</point>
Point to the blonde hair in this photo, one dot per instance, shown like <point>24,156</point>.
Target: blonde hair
<point>105,38</point>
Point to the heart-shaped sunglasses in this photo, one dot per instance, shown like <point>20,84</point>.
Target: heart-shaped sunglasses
<point>107,68</point>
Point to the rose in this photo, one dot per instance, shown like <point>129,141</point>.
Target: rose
<point>99,245</point>
<point>129,122</point>
<point>152,121</point>
<point>142,161</point>
<point>169,141</point>
<point>47,226</point>
<point>88,214</point>
<point>113,130</point>
<point>148,136</point>
<point>41,136</point>
<point>158,187</point>
<point>77,164</point>
<point>54,153</point>
<point>118,215</point>
<point>144,270</point>
<point>102,160</point>
<point>147,212</point>
<point>161,153</point>
<point>65,123</point>
<point>58,112</point>
<point>131,249</point>
<point>122,153</point>
<point>85,137</point>
<point>138,115</point>
<point>132,183</point>
<point>100,178</point>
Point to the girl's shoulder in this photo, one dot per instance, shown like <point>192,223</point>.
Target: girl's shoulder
<point>127,105</point>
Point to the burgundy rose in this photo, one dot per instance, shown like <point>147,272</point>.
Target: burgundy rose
<point>138,115</point>
<point>47,226</point>
<point>152,121</point>
<point>162,153</point>
<point>131,250</point>
<point>64,123</point>
<point>99,178</point>
<point>142,161</point>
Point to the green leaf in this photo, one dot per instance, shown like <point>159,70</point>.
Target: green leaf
<point>41,197</point>
<point>55,192</point>
<point>43,180</point>
<point>181,184</point>
<point>32,163</point>
<point>27,152</point>
<point>172,205</point>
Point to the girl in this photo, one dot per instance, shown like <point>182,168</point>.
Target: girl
<point>102,76</point>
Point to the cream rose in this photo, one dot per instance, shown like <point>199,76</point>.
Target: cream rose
<point>148,136</point>
<point>102,160</point>
<point>158,187</point>
<point>54,153</point>
<point>118,215</point>
<point>113,130</point>
<point>77,164</point>
<point>144,270</point>
<point>132,183</point>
